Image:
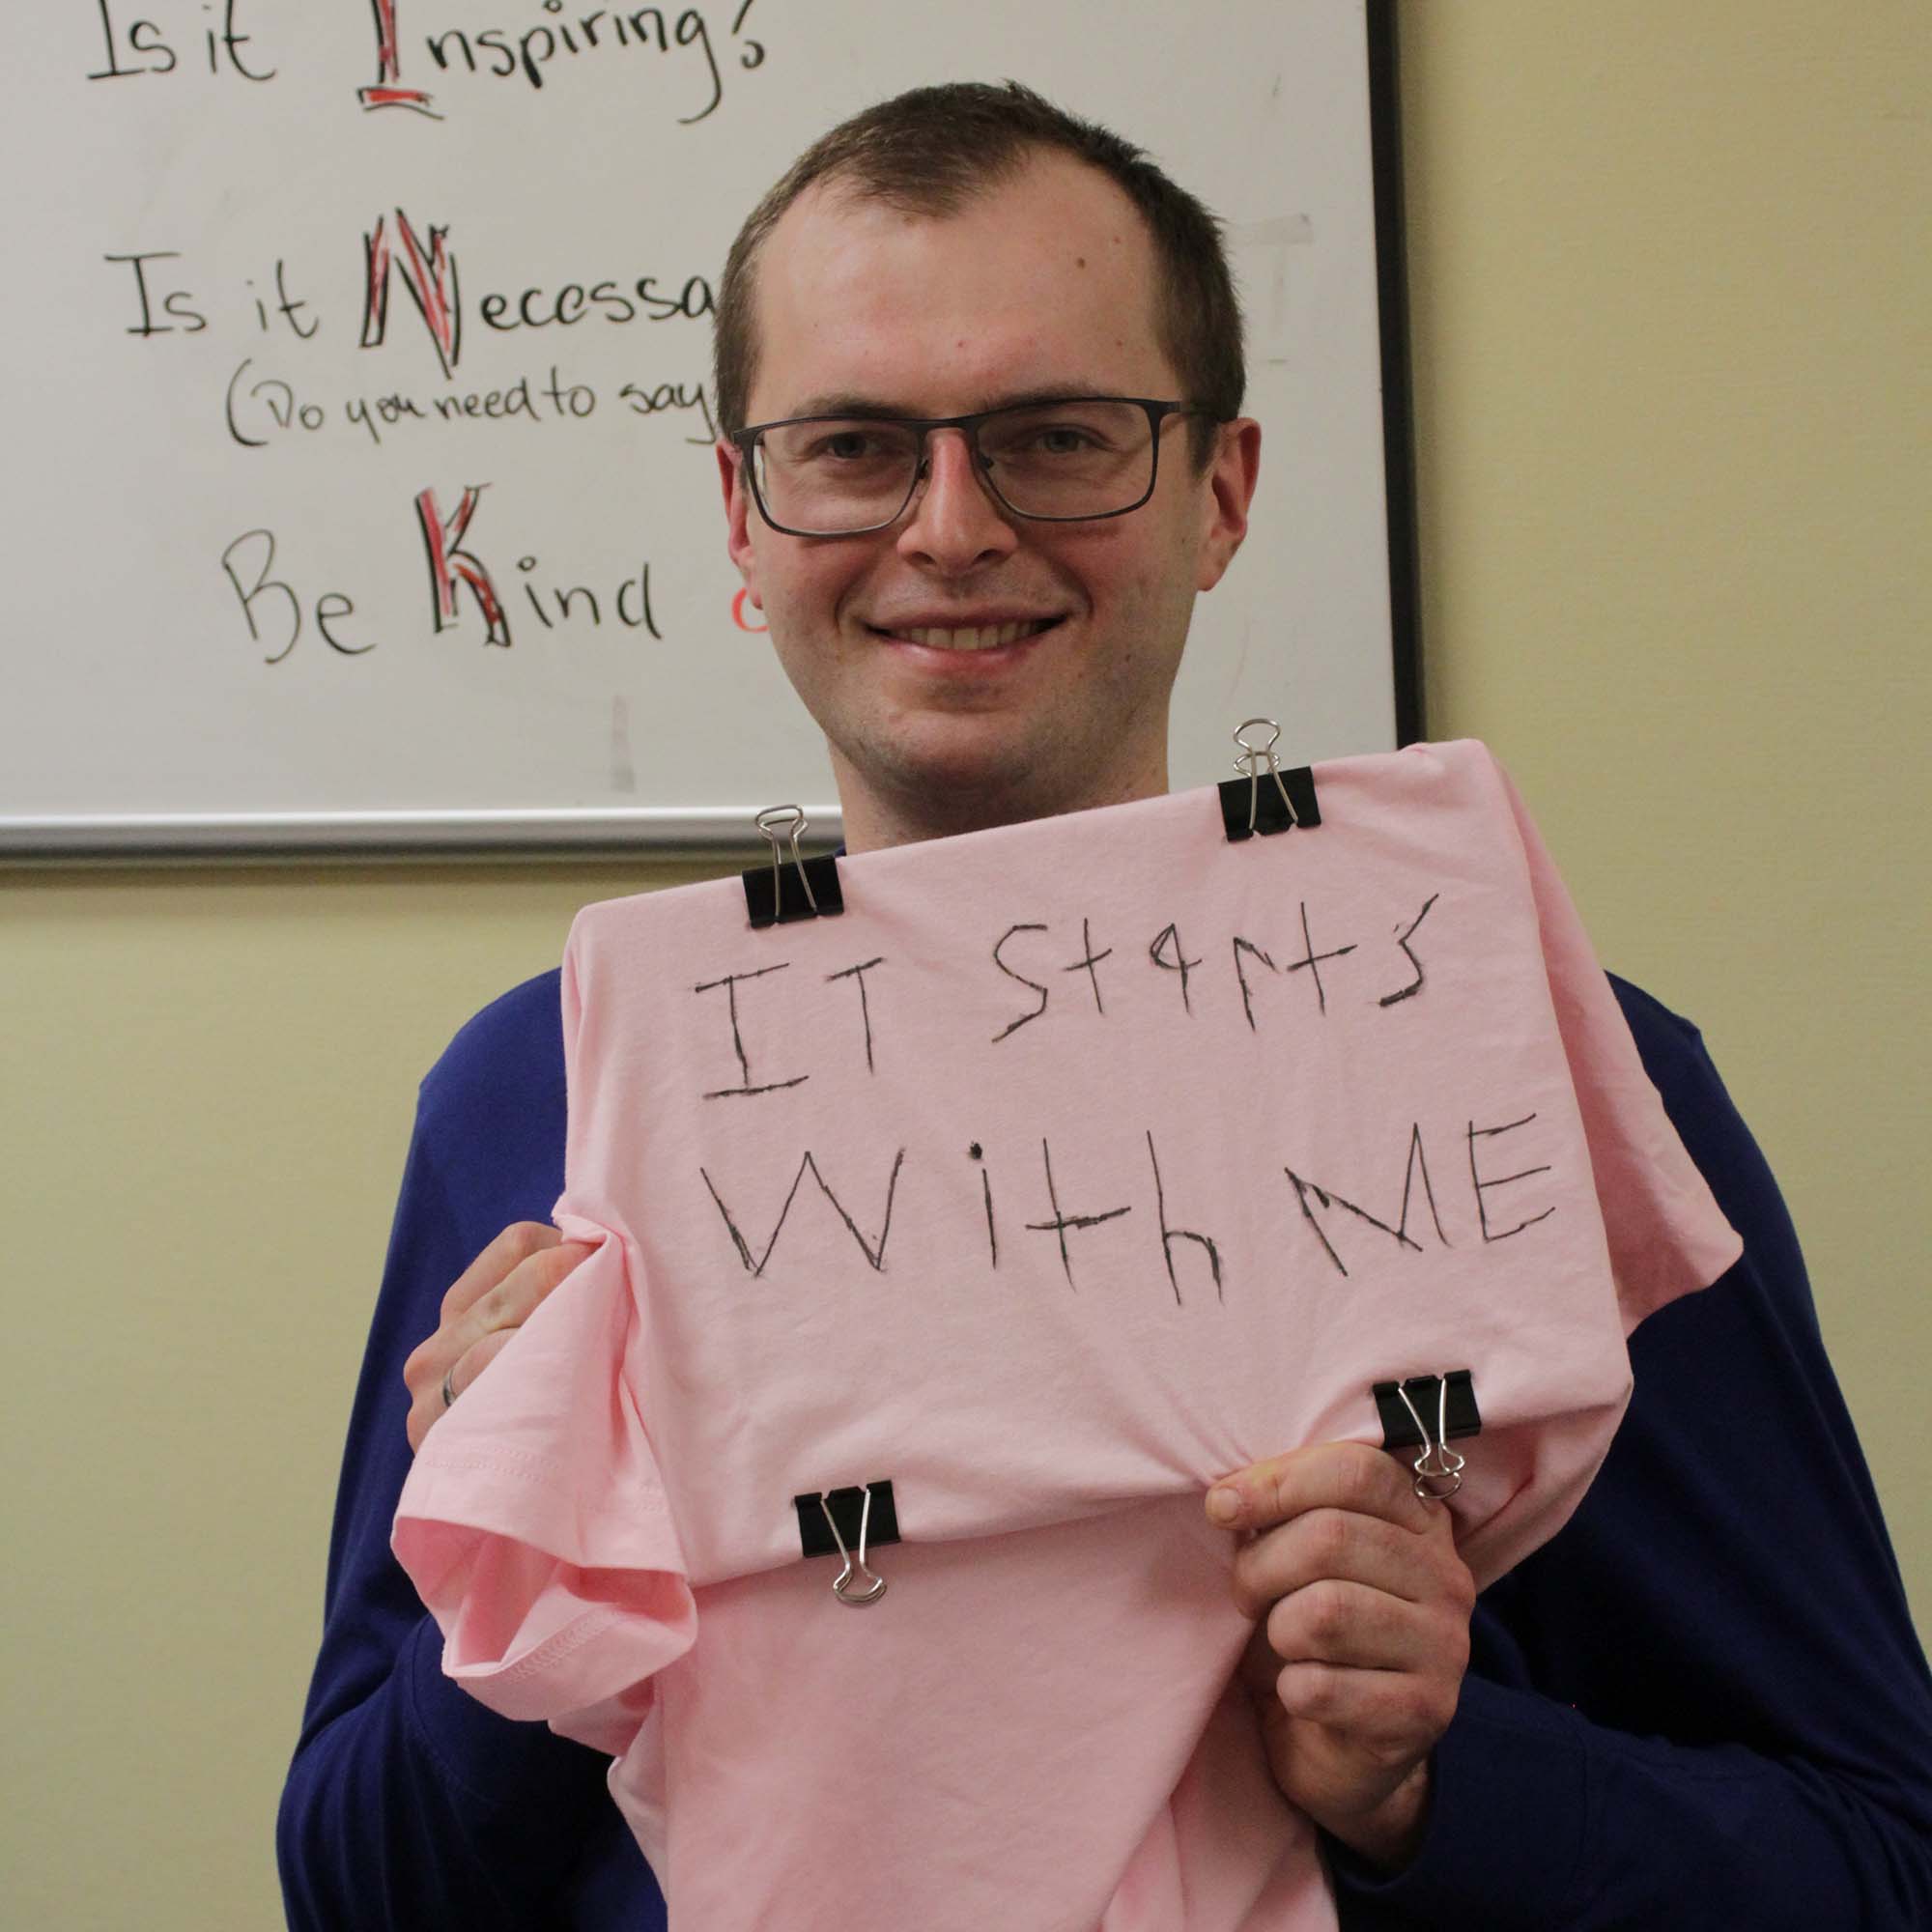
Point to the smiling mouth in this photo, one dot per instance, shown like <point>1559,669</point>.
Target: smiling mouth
<point>972,637</point>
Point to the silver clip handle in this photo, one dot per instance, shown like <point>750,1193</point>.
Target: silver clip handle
<point>1249,765</point>
<point>1439,1463</point>
<point>777,821</point>
<point>845,1585</point>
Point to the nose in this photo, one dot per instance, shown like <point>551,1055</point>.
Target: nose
<point>954,523</point>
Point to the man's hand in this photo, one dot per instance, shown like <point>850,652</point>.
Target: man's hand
<point>490,1301</point>
<point>1363,1636</point>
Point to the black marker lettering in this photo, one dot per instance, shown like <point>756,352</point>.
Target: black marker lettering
<point>233,42</point>
<point>691,26</point>
<point>344,608</point>
<point>874,1253</point>
<point>1179,963</point>
<point>865,1010</point>
<point>1482,1186</point>
<point>114,71</point>
<point>1402,939</point>
<point>1088,963</point>
<point>147,326</point>
<point>1169,1236</point>
<point>1034,984</point>
<point>288,304</point>
<point>731,985</point>
<point>1304,1189</point>
<point>755,50</point>
<point>986,1189</point>
<point>1247,1002</point>
<point>526,563</point>
<point>1313,959</point>
<point>439,49</point>
<point>263,584</point>
<point>175,303</point>
<point>1060,1222</point>
<point>644,616</point>
<point>156,46</point>
<point>1417,1161</point>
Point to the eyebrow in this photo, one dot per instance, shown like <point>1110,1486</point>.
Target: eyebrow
<point>851,403</point>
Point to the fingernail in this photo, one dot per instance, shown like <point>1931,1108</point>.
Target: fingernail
<point>1224,1505</point>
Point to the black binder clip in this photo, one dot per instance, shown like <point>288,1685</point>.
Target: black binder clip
<point>1265,799</point>
<point>838,1521</point>
<point>1406,1425</point>
<point>797,888</point>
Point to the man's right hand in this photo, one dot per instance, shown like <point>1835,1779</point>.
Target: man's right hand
<point>489,1302</point>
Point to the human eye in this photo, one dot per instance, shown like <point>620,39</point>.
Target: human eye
<point>1064,439</point>
<point>1058,433</point>
<point>850,444</point>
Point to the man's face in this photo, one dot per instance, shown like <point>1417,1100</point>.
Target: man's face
<point>1043,286</point>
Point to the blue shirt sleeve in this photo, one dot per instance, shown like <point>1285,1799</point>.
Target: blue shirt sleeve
<point>1704,1704</point>
<point>408,1804</point>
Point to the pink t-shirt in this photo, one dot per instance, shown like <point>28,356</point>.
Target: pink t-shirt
<point>1078,1163</point>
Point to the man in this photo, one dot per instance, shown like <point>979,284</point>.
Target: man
<point>1702,1705</point>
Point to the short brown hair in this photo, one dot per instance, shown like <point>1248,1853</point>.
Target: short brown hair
<point>928,152</point>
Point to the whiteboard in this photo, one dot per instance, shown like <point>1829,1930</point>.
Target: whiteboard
<point>229,468</point>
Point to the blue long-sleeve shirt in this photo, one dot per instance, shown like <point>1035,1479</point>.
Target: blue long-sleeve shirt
<point>1702,1705</point>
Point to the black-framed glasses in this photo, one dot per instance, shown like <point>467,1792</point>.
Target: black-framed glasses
<point>1072,460</point>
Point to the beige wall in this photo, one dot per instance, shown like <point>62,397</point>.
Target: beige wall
<point>1669,296</point>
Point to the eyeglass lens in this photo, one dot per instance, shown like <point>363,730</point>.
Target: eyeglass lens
<point>1071,460</point>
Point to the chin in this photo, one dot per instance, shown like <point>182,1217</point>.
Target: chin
<point>961,776</point>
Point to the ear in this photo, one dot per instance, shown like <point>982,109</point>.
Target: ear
<point>739,510</point>
<point>1226,492</point>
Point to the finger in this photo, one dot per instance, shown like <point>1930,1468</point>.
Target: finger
<point>516,1244</point>
<point>1352,1626</point>
<point>474,1360</point>
<point>508,1303</point>
<point>1328,1475</point>
<point>426,1408</point>
<point>1413,1564</point>
<point>494,1294</point>
<point>433,1399</point>
<point>1384,1710</point>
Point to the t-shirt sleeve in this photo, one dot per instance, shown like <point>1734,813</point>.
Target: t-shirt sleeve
<point>535,1527</point>
<point>535,1523</point>
<point>1666,1235</point>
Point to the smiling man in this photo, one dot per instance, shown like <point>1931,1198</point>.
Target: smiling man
<point>984,618</point>
<point>980,373</point>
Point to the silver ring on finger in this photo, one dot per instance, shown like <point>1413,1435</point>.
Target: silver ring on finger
<point>448,1393</point>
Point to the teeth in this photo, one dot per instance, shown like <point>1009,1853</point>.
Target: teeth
<point>986,637</point>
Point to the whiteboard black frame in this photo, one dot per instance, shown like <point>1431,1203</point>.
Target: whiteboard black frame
<point>704,832</point>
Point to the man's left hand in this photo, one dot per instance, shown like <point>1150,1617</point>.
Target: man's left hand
<point>1361,1640</point>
